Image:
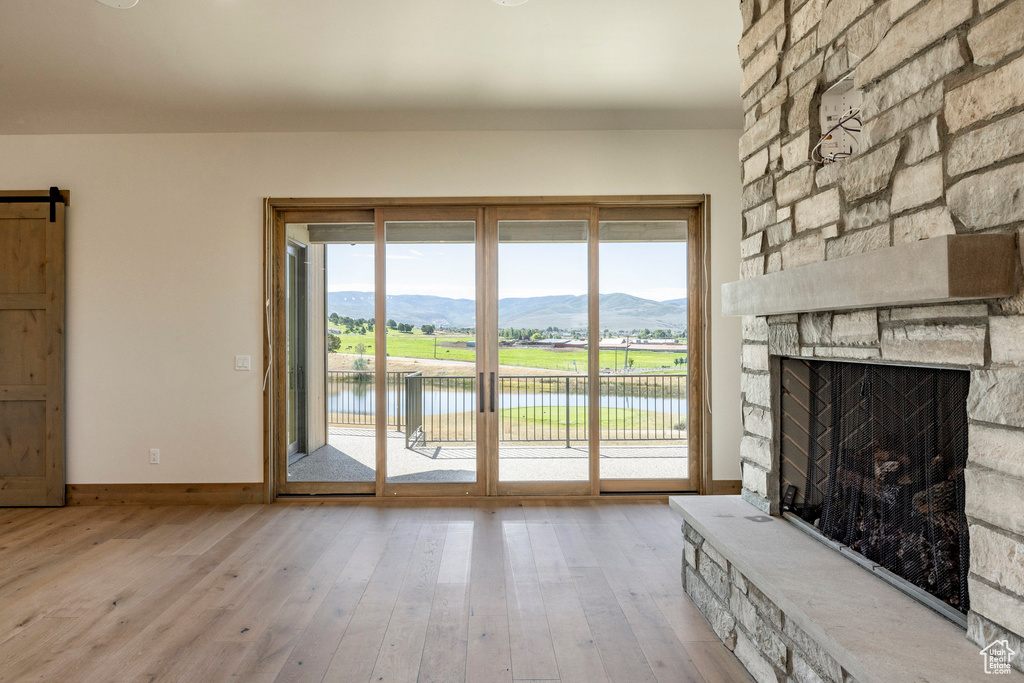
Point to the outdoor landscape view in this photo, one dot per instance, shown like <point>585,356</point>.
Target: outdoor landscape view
<point>541,393</point>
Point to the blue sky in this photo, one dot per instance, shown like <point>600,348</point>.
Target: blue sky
<point>651,270</point>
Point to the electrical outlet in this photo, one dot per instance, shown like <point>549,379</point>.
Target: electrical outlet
<point>154,456</point>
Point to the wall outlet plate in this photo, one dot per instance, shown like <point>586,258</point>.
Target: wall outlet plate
<point>243,362</point>
<point>154,456</point>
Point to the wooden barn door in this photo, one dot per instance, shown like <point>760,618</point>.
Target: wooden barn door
<point>31,349</point>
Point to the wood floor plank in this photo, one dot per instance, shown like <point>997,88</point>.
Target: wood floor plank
<point>539,591</point>
<point>445,643</point>
<point>488,654</point>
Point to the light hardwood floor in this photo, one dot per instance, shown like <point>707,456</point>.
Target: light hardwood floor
<point>324,592</point>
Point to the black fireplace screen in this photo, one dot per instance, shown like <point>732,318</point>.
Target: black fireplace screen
<point>876,455</point>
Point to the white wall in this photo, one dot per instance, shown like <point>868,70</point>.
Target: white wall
<point>165,277</point>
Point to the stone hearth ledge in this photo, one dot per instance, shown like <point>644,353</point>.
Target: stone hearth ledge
<point>875,632</point>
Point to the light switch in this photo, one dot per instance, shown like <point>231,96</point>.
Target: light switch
<point>243,362</point>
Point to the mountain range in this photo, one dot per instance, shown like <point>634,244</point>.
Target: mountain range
<point>619,312</point>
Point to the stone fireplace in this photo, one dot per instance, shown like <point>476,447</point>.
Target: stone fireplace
<point>905,254</point>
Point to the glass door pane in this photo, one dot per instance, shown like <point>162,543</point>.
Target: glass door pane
<point>542,351</point>
<point>295,303</point>
<point>643,377</point>
<point>349,454</point>
<point>431,285</point>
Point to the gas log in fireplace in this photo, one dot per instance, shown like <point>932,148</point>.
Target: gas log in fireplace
<point>873,459</point>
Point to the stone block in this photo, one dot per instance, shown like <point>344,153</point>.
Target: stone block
<point>692,535</point>
<point>865,35</point>
<point>755,357</point>
<point>853,352</point>
<point>856,328</point>
<point>764,62</point>
<point>803,251</point>
<point>1007,339</point>
<point>764,637</point>
<point>768,610</point>
<point>997,448</point>
<point>898,8</point>
<point>799,117</point>
<point>995,605</point>
<point>739,582</point>
<point>986,146</point>
<point>912,34</point>
<point>996,397</point>
<point>933,222</point>
<point>858,242</point>
<point>757,421</point>
<point>902,117</point>
<point>830,174</point>
<point>816,211</point>
<point>865,175</point>
<point>986,200</point>
<point>837,16</point>
<point>755,328</point>
<point>913,77</point>
<point>995,557</point>
<point>716,578</point>
<point>797,151</point>
<point>939,312</point>
<point>761,133</point>
<point>917,185</point>
<point>935,343</point>
<point>760,217</point>
<point>923,141</point>
<point>774,264</point>
<point>760,502</point>
<point>775,97</point>
<point>780,233</point>
<point>752,246</point>
<point>805,18</point>
<point>757,451</point>
<point>689,554</point>
<point>837,65</point>
<point>830,232</point>
<point>794,186</point>
<point>758,192</point>
<point>802,671</point>
<point>718,558</point>
<point>999,35</point>
<point>986,96</point>
<point>756,388</point>
<point>798,54</point>
<point>756,166</point>
<point>815,328</point>
<point>785,213</point>
<point>762,31</point>
<point>995,498</point>
<point>723,623</point>
<point>752,267</point>
<point>755,479</point>
<point>748,10</point>
<point>749,655</point>
<point>783,340</point>
<point>866,214</point>
<point>819,660</point>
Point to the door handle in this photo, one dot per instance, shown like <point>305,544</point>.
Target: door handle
<point>480,391</point>
<point>492,392</point>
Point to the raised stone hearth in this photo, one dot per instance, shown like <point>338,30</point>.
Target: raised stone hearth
<point>940,156</point>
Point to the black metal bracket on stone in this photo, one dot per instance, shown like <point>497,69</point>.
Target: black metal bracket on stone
<point>52,199</point>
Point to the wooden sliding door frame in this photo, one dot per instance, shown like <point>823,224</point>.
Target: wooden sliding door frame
<point>280,212</point>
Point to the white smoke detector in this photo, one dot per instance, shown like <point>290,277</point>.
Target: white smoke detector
<point>121,4</point>
<point>510,3</point>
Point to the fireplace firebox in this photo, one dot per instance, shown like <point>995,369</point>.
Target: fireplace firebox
<point>872,457</point>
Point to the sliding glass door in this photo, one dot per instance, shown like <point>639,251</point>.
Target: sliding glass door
<point>498,350</point>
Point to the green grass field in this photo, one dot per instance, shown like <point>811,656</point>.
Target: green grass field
<point>418,345</point>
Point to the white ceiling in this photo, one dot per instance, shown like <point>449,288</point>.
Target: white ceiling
<point>76,66</point>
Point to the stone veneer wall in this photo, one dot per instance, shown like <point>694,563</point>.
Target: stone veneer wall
<point>770,645</point>
<point>942,152</point>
